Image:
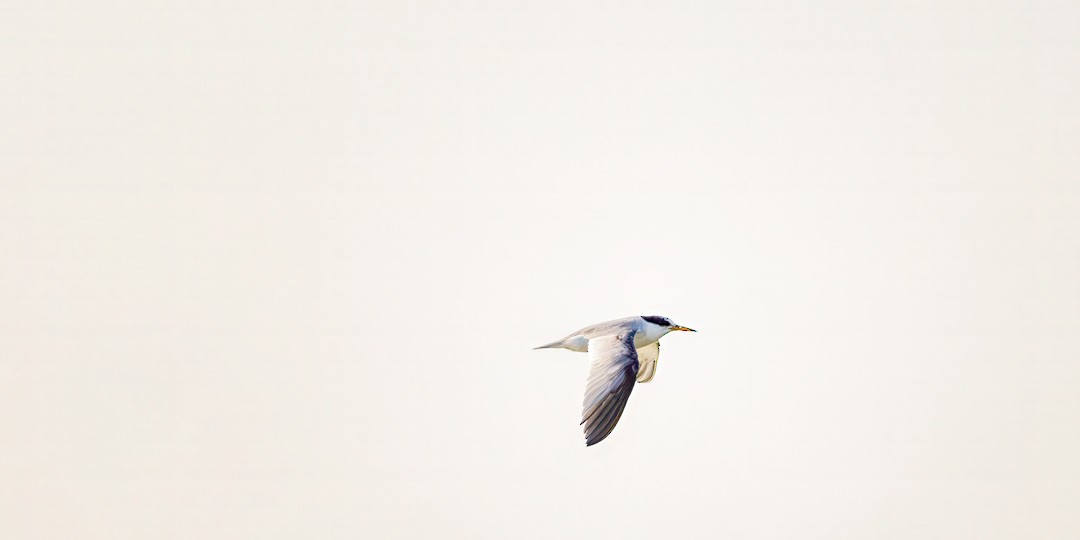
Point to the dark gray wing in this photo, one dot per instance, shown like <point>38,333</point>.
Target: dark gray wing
<point>614,366</point>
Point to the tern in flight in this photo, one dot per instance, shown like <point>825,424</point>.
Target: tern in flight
<point>621,352</point>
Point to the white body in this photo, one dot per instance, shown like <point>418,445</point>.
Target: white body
<point>647,333</point>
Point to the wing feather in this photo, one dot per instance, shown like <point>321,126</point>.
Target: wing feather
<point>648,357</point>
<point>612,373</point>
<point>604,424</point>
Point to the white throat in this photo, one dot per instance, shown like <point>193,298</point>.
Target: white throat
<point>649,333</point>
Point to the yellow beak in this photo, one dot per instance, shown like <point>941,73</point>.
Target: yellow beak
<point>682,328</point>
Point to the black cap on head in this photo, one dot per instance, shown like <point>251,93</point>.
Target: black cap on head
<point>656,319</point>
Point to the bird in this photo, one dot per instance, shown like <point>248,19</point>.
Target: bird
<point>621,352</point>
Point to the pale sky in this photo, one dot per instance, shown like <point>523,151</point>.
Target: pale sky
<point>276,269</point>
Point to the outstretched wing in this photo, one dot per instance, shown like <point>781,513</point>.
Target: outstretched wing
<point>648,356</point>
<point>614,366</point>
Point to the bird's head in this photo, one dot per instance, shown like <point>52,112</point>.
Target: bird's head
<point>665,323</point>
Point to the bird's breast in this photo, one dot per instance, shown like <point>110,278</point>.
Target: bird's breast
<point>642,339</point>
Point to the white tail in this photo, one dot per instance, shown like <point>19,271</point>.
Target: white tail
<point>553,345</point>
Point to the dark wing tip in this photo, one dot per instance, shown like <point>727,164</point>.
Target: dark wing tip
<point>602,423</point>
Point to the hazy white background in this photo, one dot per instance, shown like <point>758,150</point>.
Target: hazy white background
<point>274,269</point>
